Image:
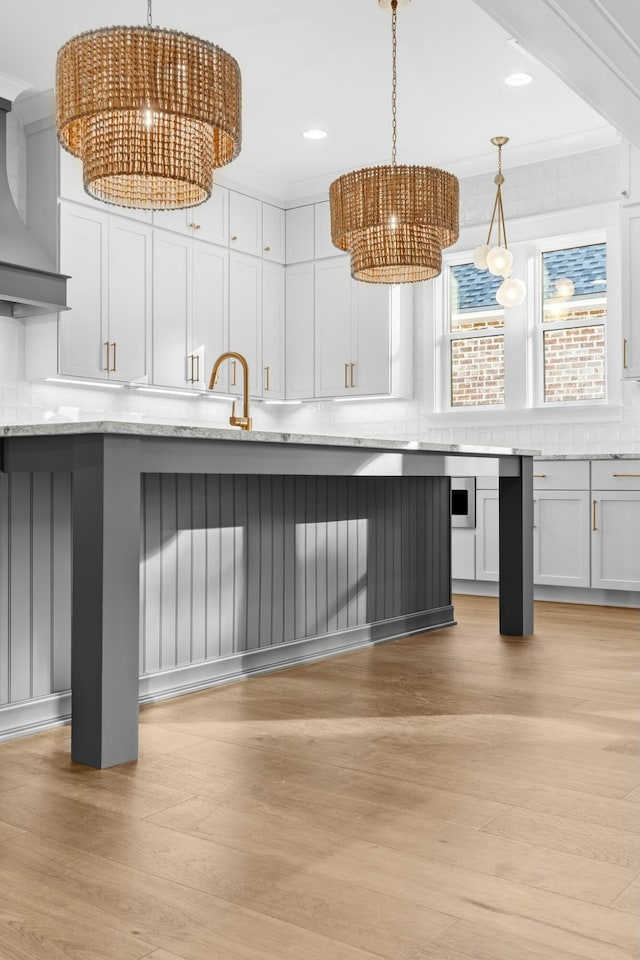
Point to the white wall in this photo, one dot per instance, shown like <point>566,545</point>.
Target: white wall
<point>575,181</point>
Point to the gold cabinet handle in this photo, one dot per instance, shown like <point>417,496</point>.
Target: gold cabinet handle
<point>195,226</point>
<point>626,474</point>
<point>115,355</point>
<point>346,376</point>
<point>539,476</point>
<point>267,249</point>
<point>234,238</point>
<point>353,367</point>
<point>625,354</point>
<point>197,380</point>
<point>267,371</point>
<point>534,513</point>
<point>594,525</point>
<point>108,359</point>
<point>190,379</point>
<point>233,372</point>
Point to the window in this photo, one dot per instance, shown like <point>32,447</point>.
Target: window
<point>551,350</point>
<point>572,323</point>
<point>476,337</point>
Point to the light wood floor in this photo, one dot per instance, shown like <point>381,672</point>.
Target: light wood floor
<point>450,796</point>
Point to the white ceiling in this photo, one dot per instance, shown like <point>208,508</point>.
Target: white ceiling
<point>326,63</point>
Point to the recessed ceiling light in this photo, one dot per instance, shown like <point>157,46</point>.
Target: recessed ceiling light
<point>315,134</point>
<point>518,79</point>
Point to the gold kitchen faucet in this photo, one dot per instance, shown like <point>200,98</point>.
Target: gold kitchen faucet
<point>244,422</point>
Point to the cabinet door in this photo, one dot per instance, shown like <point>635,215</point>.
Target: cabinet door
<point>299,331</point>
<point>129,298</point>
<point>487,547</point>
<point>210,221</point>
<point>334,358</point>
<point>323,244</point>
<point>371,338</point>
<point>463,554</point>
<point>83,256</point>
<point>273,309</point>
<point>561,547</point>
<point>273,229</point>
<point>299,231</point>
<point>631,292</point>
<point>171,308</point>
<point>245,320</point>
<point>245,223</point>
<point>615,557</point>
<point>208,329</point>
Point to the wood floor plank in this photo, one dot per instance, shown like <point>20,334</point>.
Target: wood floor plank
<point>190,923</point>
<point>574,836</point>
<point>450,796</point>
<point>437,840</point>
<point>473,940</point>
<point>592,931</point>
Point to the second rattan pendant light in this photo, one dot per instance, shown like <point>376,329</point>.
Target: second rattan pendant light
<point>150,112</point>
<point>394,219</point>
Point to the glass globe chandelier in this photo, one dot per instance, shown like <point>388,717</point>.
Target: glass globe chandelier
<point>394,219</point>
<point>499,259</point>
<point>150,112</point>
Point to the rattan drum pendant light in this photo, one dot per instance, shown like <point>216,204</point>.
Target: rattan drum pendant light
<point>150,112</point>
<point>394,220</point>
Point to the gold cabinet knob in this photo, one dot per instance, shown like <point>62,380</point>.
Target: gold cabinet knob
<point>195,226</point>
<point>234,238</point>
<point>267,249</point>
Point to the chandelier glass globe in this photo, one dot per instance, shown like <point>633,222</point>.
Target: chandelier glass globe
<point>480,256</point>
<point>500,261</point>
<point>511,292</point>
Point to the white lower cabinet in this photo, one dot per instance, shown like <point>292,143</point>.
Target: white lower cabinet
<point>105,334</point>
<point>615,539</point>
<point>463,554</point>
<point>561,548</point>
<point>487,541</point>
<point>190,294</point>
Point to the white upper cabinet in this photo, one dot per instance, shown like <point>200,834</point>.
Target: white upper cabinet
<point>300,234</point>
<point>84,328</point>
<point>245,321</point>
<point>190,293</point>
<point>208,221</point>
<point>273,233</point>
<point>273,316</point>
<point>105,334</point>
<point>300,314</point>
<point>207,333</point>
<point>171,308</point>
<point>363,335</point>
<point>323,244</point>
<point>245,224</point>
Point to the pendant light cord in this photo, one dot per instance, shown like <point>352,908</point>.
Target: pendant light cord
<point>149,17</point>
<point>394,138</point>
<point>498,209</point>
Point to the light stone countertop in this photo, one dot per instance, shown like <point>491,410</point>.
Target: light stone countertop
<point>588,456</point>
<point>140,429</point>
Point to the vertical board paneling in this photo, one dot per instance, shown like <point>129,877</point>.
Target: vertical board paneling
<point>5,567</point>
<point>168,570</point>
<point>20,588</point>
<point>61,587</point>
<point>41,623</point>
<point>198,586</point>
<point>184,495</point>
<point>228,563</point>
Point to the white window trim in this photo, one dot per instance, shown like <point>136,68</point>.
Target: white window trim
<point>521,406</point>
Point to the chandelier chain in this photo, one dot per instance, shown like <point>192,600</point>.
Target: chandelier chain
<point>149,16</point>
<point>394,138</point>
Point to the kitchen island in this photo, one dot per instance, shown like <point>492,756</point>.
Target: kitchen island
<point>346,538</point>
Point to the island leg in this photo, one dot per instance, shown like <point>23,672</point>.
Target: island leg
<point>516,548</point>
<point>105,600</point>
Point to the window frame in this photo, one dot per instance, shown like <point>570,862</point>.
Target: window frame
<point>527,236</point>
<point>549,245</point>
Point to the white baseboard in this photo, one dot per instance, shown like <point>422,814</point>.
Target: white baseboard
<point>604,598</point>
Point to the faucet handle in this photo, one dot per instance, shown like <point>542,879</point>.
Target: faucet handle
<point>233,409</point>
